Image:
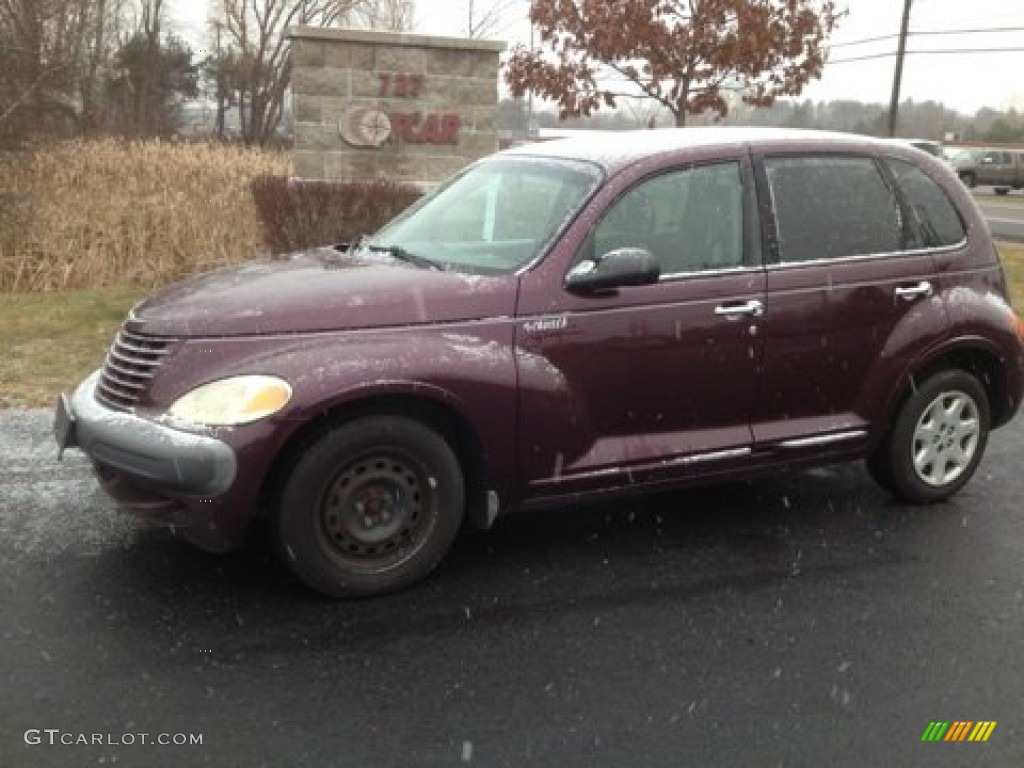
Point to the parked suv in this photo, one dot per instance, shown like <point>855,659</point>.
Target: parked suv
<point>999,168</point>
<point>559,322</point>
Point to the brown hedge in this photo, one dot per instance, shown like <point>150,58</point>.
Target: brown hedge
<point>299,214</point>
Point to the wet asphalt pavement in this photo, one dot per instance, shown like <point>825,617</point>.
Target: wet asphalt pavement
<point>803,620</point>
<point>1005,215</point>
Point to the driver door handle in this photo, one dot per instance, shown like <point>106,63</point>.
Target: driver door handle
<point>752,308</point>
<point>911,292</point>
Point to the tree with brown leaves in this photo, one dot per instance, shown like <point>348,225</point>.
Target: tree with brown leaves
<point>688,55</point>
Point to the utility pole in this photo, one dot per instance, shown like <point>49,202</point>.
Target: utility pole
<point>532,130</point>
<point>220,78</point>
<point>894,102</point>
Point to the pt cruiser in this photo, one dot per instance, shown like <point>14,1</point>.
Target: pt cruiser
<point>559,322</point>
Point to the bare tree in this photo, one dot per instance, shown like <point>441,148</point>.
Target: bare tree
<point>255,31</point>
<point>54,56</point>
<point>153,75</point>
<point>484,18</point>
<point>220,71</point>
<point>108,22</point>
<point>386,15</point>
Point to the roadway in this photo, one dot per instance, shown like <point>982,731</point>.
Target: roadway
<point>1005,215</point>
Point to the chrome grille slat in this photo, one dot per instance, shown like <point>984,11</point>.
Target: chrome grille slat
<point>112,397</point>
<point>133,385</point>
<point>124,371</point>
<point>141,350</point>
<point>131,362</point>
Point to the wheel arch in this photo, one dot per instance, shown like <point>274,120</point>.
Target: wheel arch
<point>440,415</point>
<point>975,356</point>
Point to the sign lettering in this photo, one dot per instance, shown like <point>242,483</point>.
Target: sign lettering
<point>364,127</point>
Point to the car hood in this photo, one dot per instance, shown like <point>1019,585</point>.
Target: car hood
<point>320,290</point>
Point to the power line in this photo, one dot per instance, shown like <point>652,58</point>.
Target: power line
<point>863,41</point>
<point>867,57</point>
<point>874,56</point>
<point>978,31</point>
<point>926,33</point>
<point>889,54</point>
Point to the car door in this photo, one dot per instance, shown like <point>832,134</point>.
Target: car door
<point>995,168</point>
<point>646,383</point>
<point>847,286</point>
<point>1003,168</point>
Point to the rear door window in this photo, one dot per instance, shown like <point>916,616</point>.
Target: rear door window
<point>832,207</point>
<point>935,214</point>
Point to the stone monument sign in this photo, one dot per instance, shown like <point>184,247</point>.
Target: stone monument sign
<point>403,107</point>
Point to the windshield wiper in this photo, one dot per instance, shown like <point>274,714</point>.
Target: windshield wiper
<point>401,254</point>
<point>355,245</point>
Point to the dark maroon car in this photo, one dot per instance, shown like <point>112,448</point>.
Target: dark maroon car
<point>559,322</point>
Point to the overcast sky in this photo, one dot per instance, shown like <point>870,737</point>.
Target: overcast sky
<point>964,81</point>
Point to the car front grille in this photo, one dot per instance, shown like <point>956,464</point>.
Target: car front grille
<point>131,362</point>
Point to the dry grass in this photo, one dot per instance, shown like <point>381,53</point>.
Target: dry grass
<point>1013,263</point>
<point>109,213</point>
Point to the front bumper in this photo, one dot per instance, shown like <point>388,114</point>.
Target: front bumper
<point>160,474</point>
<point>146,450</point>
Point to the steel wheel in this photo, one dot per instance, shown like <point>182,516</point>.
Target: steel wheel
<point>946,438</point>
<point>370,506</point>
<point>372,515</point>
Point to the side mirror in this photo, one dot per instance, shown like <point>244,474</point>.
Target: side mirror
<point>616,269</point>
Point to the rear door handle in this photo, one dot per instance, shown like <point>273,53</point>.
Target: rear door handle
<point>916,291</point>
<point>751,308</point>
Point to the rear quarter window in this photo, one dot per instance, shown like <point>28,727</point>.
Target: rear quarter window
<point>832,207</point>
<point>935,213</point>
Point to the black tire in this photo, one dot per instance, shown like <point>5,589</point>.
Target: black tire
<point>969,179</point>
<point>370,507</point>
<point>937,440</point>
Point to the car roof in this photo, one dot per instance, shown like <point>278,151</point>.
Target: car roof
<point>614,150</point>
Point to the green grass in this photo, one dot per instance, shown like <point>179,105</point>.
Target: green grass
<point>1013,263</point>
<point>50,342</point>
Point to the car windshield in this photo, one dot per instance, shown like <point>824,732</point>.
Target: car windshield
<point>496,217</point>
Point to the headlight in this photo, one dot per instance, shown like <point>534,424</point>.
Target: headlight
<point>234,401</point>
